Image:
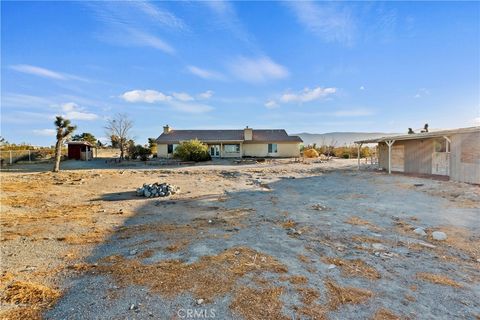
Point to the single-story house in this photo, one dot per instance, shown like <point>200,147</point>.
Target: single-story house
<point>233,143</point>
<point>454,153</point>
<point>80,150</point>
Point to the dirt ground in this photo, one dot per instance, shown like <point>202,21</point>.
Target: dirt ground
<point>278,240</point>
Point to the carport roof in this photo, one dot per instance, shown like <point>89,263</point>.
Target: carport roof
<point>422,135</point>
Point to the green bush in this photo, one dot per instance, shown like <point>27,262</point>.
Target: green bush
<point>139,151</point>
<point>192,150</point>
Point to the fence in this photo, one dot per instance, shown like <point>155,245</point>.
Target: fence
<point>8,157</point>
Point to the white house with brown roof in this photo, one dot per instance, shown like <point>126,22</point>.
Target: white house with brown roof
<point>233,143</point>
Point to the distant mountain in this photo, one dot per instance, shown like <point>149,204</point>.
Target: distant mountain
<point>339,138</point>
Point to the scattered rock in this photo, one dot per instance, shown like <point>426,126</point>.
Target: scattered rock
<point>426,244</point>
<point>439,235</point>
<point>378,246</point>
<point>418,184</point>
<point>332,266</point>
<point>133,307</point>
<point>200,301</point>
<point>420,231</point>
<point>133,252</point>
<point>319,207</point>
<point>157,190</point>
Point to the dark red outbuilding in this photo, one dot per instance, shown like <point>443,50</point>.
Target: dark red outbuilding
<point>80,150</point>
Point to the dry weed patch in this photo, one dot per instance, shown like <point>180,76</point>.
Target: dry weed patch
<point>19,292</point>
<point>353,220</point>
<point>385,314</point>
<point>22,313</point>
<point>353,268</point>
<point>207,278</point>
<point>438,279</point>
<point>294,279</point>
<point>338,295</point>
<point>261,304</point>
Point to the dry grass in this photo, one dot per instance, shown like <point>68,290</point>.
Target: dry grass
<point>353,220</point>
<point>294,279</point>
<point>22,313</point>
<point>258,304</point>
<point>207,278</point>
<point>354,268</point>
<point>304,259</point>
<point>338,295</point>
<point>463,239</point>
<point>19,292</point>
<point>146,254</point>
<point>32,299</point>
<point>289,224</point>
<point>438,279</point>
<point>385,314</point>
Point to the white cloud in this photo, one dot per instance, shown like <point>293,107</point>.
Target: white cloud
<point>45,73</point>
<point>182,96</point>
<point>142,38</point>
<point>180,101</point>
<point>362,88</point>
<point>148,96</point>
<point>257,70</point>
<point>73,111</point>
<point>205,95</point>
<point>422,92</point>
<point>307,95</point>
<point>45,132</point>
<point>271,104</point>
<point>204,73</point>
<point>476,121</point>
<point>332,22</point>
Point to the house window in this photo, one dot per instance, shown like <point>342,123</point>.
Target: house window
<point>231,148</point>
<point>171,148</point>
<point>272,148</point>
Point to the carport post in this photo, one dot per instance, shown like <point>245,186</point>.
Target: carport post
<point>389,144</point>
<point>359,146</point>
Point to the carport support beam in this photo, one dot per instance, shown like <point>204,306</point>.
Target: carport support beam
<point>359,147</point>
<point>389,144</point>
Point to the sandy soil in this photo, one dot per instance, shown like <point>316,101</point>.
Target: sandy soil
<point>280,240</point>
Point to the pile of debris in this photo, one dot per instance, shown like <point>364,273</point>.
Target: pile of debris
<point>157,190</point>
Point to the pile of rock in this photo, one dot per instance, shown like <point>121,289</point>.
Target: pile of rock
<point>157,190</point>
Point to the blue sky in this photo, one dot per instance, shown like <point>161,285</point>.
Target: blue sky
<point>303,66</point>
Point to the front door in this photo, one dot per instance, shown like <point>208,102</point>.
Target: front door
<point>215,151</point>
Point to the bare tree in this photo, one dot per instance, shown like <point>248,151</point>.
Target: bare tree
<point>64,130</point>
<point>120,127</point>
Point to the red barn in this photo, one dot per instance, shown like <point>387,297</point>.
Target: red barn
<point>80,150</point>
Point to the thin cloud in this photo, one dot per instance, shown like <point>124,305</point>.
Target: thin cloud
<point>422,92</point>
<point>205,95</point>
<point>307,95</point>
<point>73,111</point>
<point>135,23</point>
<point>180,101</point>
<point>45,132</point>
<point>45,73</point>
<point>271,104</point>
<point>257,70</point>
<point>227,18</point>
<point>204,73</point>
<point>329,21</point>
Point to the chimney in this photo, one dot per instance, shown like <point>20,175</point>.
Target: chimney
<point>166,129</point>
<point>248,133</point>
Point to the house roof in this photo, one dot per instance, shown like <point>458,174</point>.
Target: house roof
<point>82,143</point>
<point>259,135</point>
<point>422,135</point>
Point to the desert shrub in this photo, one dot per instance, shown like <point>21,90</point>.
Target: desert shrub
<point>310,153</point>
<point>192,150</point>
<point>139,151</point>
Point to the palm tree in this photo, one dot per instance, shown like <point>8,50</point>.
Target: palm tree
<point>64,130</point>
